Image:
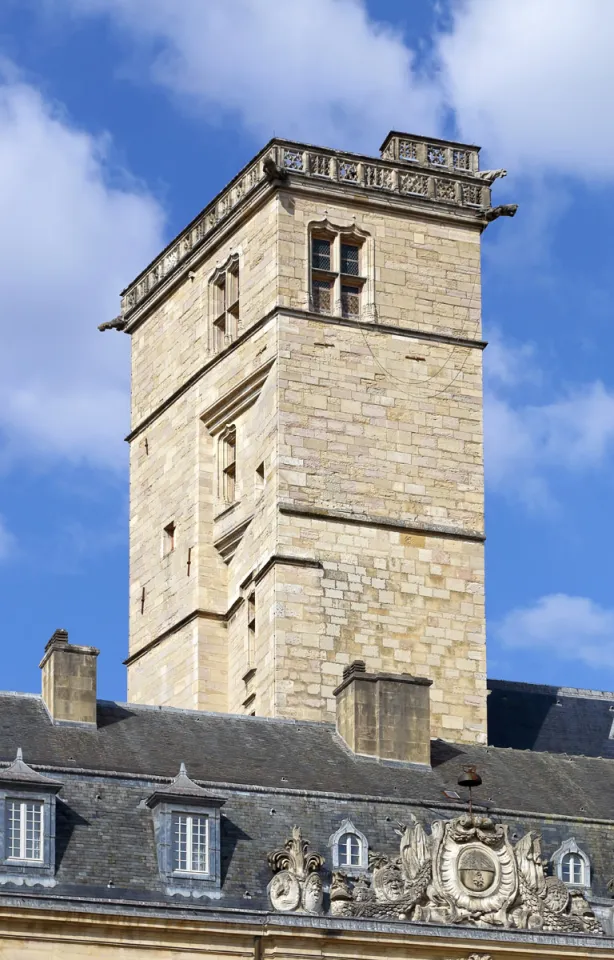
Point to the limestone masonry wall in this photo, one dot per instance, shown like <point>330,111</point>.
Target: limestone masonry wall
<point>357,522</point>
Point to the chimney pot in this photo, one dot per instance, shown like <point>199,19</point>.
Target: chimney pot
<point>69,680</point>
<point>356,666</point>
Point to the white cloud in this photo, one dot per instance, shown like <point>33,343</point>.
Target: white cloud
<point>525,443</point>
<point>530,78</point>
<point>321,71</point>
<point>69,242</point>
<point>568,628</point>
<point>527,78</point>
<point>7,541</point>
<point>509,364</point>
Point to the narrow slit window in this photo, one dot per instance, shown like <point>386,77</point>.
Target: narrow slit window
<point>251,629</point>
<point>260,478</point>
<point>229,466</point>
<point>225,300</point>
<point>190,840</point>
<point>168,537</point>
<point>232,291</point>
<point>24,830</point>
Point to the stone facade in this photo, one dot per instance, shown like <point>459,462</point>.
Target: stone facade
<point>355,524</point>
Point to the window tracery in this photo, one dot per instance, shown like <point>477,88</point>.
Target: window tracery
<point>340,271</point>
<point>224,303</point>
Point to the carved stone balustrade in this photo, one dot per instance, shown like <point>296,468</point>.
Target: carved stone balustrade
<point>416,169</point>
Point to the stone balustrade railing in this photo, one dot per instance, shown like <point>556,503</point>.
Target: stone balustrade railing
<point>413,169</point>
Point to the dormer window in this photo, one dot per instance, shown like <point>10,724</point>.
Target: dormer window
<point>27,822</point>
<point>187,829</point>
<point>339,271</point>
<point>572,869</point>
<point>190,841</point>
<point>24,830</point>
<point>350,849</point>
<point>572,865</point>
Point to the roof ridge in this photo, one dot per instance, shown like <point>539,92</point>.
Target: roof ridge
<point>578,693</point>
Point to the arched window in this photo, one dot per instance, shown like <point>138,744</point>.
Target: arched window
<point>572,868</point>
<point>572,865</point>
<point>349,848</point>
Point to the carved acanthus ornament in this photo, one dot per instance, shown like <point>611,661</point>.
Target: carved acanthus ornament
<point>297,885</point>
<point>465,872</point>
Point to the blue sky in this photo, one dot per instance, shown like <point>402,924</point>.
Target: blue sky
<point>119,119</point>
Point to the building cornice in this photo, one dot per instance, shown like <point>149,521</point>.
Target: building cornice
<point>442,189</point>
<point>200,614</point>
<point>385,329</point>
<point>330,515</point>
<point>159,925</point>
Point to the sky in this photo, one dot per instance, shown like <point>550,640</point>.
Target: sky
<point>120,119</point>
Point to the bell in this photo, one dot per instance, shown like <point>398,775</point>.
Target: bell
<point>470,778</point>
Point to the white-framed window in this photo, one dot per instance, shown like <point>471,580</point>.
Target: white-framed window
<point>349,846</point>
<point>572,865</point>
<point>190,843</point>
<point>572,869</point>
<point>24,830</point>
<point>187,830</point>
<point>225,300</point>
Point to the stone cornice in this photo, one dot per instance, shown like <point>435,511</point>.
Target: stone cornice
<point>386,329</point>
<point>199,614</point>
<point>157,926</point>
<point>423,175</point>
<point>395,526</point>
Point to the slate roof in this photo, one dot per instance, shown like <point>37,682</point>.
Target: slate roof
<point>273,774</point>
<point>529,716</point>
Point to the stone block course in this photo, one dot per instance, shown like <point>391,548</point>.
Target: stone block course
<point>372,444</point>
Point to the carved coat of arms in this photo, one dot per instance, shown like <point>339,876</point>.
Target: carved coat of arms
<point>465,872</point>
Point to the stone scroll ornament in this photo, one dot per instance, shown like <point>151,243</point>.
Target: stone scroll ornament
<point>297,884</point>
<point>465,872</point>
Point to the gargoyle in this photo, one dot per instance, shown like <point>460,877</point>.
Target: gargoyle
<point>505,210</point>
<point>117,323</point>
<point>273,171</point>
<point>490,175</point>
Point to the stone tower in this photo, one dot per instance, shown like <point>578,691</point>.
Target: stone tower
<point>306,444</point>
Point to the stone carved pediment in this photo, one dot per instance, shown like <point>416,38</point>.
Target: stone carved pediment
<point>297,884</point>
<point>465,872</point>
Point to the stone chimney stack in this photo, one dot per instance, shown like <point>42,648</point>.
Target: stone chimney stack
<point>69,680</point>
<point>384,715</point>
